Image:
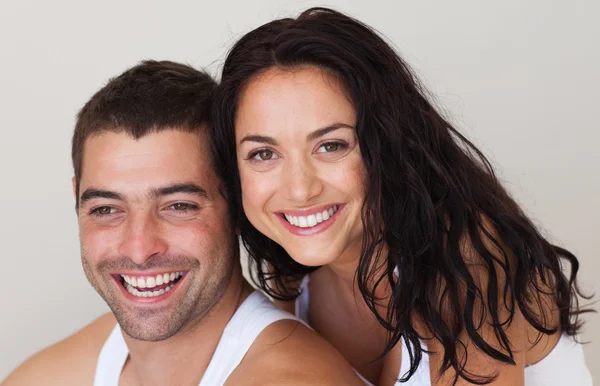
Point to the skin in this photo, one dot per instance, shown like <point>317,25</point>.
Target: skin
<point>141,229</point>
<point>313,162</point>
<point>289,165</point>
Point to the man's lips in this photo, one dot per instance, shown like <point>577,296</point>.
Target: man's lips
<point>145,286</point>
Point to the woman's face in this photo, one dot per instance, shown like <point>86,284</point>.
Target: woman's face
<point>300,164</point>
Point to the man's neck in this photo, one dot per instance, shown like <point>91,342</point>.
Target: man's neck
<point>183,358</point>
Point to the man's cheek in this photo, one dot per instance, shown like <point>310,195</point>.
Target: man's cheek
<point>97,243</point>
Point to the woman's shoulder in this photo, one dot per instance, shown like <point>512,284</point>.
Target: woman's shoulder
<point>488,322</point>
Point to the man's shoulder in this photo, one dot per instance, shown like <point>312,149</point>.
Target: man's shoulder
<point>288,352</point>
<point>71,361</point>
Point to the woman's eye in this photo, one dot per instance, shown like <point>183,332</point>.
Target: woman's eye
<point>329,147</point>
<point>264,155</point>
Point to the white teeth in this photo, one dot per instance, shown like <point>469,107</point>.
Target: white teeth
<point>147,294</point>
<point>132,283</point>
<point>311,220</point>
<point>291,219</point>
<point>129,280</point>
<point>302,222</point>
<point>150,282</point>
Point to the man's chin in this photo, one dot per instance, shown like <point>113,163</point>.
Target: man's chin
<point>148,330</point>
<point>147,335</point>
<point>147,325</point>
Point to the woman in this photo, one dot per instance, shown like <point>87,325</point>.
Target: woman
<point>413,261</point>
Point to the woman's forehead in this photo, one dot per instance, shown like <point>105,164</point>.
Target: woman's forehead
<point>303,99</point>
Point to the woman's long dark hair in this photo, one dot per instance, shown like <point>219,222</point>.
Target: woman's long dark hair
<point>429,191</point>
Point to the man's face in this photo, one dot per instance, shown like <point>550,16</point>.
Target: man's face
<point>156,241</point>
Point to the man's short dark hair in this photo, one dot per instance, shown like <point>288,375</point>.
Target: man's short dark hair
<point>150,97</point>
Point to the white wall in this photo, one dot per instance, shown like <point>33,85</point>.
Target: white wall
<point>519,77</point>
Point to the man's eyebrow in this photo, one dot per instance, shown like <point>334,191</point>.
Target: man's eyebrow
<point>89,194</point>
<point>328,129</point>
<point>179,188</point>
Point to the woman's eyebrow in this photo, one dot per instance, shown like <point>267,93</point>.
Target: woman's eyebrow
<point>259,139</point>
<point>312,136</point>
<point>328,129</point>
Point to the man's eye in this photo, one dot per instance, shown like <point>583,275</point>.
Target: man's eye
<point>263,155</point>
<point>103,211</point>
<point>183,207</point>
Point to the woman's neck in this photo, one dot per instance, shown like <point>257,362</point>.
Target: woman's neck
<point>344,271</point>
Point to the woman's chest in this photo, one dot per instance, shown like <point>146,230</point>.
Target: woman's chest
<point>344,319</point>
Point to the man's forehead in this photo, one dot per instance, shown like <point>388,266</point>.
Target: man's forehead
<point>157,159</point>
<point>123,139</point>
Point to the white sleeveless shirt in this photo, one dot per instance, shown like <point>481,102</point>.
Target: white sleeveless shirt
<point>564,365</point>
<point>250,319</point>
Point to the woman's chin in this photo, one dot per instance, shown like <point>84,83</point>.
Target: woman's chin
<point>312,258</point>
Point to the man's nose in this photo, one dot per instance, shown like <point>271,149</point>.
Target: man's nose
<point>142,238</point>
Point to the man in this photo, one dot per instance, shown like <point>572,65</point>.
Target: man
<point>158,245</point>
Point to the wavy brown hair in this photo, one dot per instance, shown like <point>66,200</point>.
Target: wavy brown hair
<point>429,191</point>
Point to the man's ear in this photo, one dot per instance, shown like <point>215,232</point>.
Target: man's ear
<point>74,183</point>
<point>223,190</point>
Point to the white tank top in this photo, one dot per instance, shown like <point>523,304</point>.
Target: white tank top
<point>564,365</point>
<point>251,318</point>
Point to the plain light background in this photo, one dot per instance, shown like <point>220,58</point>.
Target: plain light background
<point>520,78</point>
